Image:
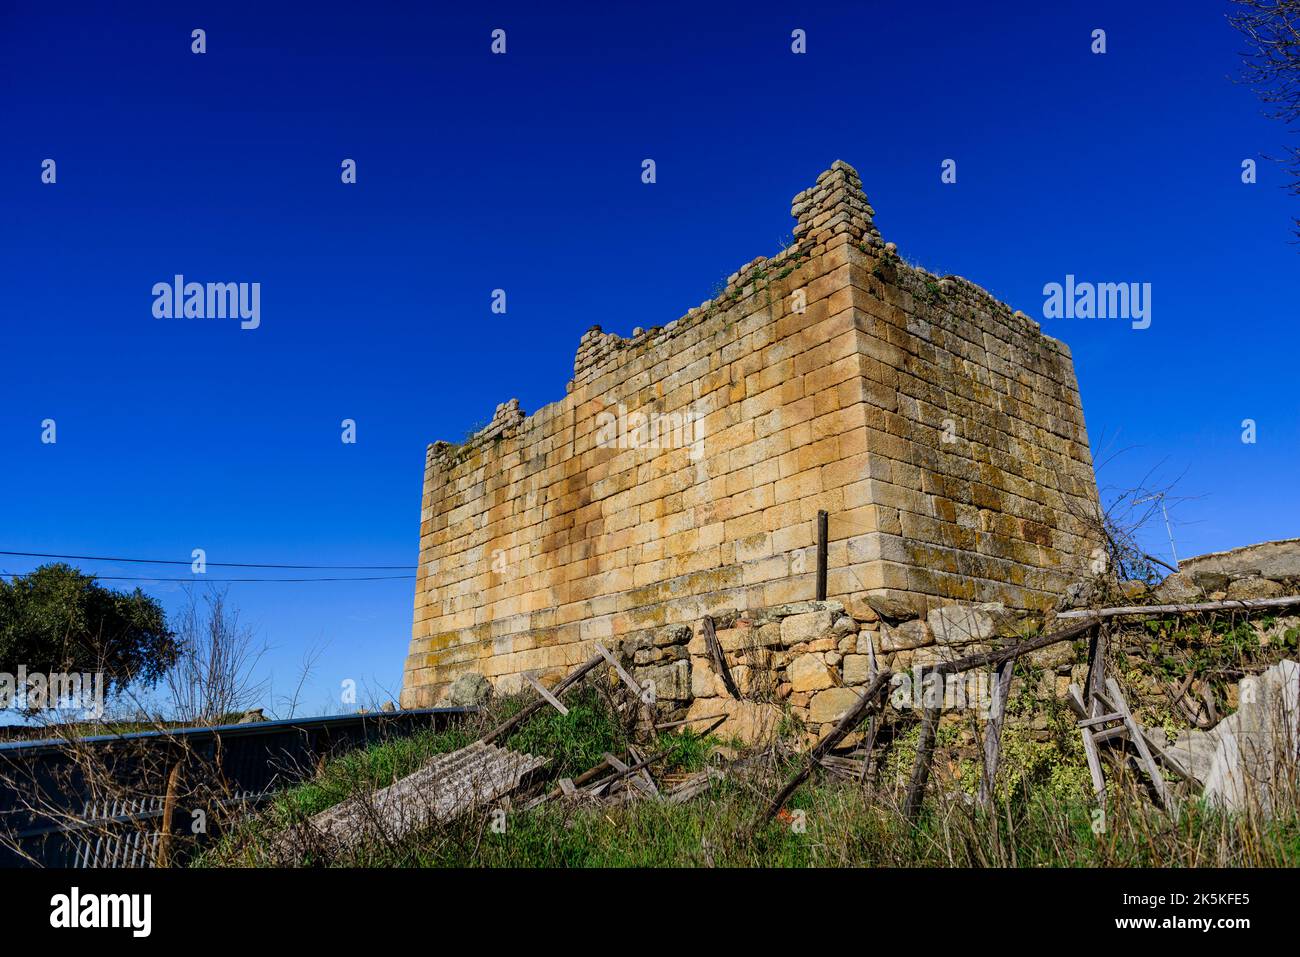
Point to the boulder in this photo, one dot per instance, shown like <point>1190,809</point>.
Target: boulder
<point>830,705</point>
<point>936,654</point>
<point>803,608</point>
<point>809,673</point>
<point>967,624</point>
<point>892,605</point>
<point>726,618</point>
<point>470,690</point>
<point>1244,589</point>
<point>750,721</point>
<point>1133,589</point>
<point>909,634</point>
<point>672,682</point>
<point>856,669</point>
<point>860,609</point>
<point>703,680</point>
<point>1211,582</point>
<point>868,642</point>
<point>1079,594</point>
<point>807,626</point>
<point>1053,656</point>
<point>1177,589</point>
<point>673,635</point>
<point>635,642</point>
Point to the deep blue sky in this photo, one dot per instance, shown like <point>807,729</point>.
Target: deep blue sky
<point>523,172</point>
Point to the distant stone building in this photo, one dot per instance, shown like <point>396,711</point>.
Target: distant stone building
<point>683,472</point>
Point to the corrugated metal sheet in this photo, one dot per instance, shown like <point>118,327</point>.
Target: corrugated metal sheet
<point>96,804</point>
<point>447,786</point>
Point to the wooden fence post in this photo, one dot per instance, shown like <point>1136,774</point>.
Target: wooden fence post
<point>163,857</point>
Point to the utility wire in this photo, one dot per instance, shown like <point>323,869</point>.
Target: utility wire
<point>172,561</point>
<point>202,579</point>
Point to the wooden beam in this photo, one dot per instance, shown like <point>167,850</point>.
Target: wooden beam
<point>1074,698</point>
<point>986,658</point>
<point>718,656</point>
<point>873,723</point>
<point>721,719</point>
<point>582,779</point>
<point>1101,719</point>
<point>643,775</point>
<point>693,786</point>
<point>1096,681</point>
<point>541,690</point>
<point>682,721</point>
<point>622,770</point>
<point>163,855</point>
<point>1211,713</point>
<point>851,719</point>
<point>1115,700</point>
<point>615,763</point>
<point>1164,757</point>
<point>1126,611</point>
<point>1090,749</point>
<point>921,768</point>
<point>626,678</point>
<point>529,710</point>
<point>993,731</point>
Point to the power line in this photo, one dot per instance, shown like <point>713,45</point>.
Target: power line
<point>200,579</point>
<point>173,561</point>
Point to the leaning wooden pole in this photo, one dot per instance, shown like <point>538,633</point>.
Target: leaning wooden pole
<point>921,769</point>
<point>851,719</point>
<point>718,656</point>
<point>985,658</point>
<point>1235,604</point>
<point>529,710</point>
<point>163,855</point>
<point>993,731</point>
<point>1096,669</point>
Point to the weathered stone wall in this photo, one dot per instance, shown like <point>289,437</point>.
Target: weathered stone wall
<point>810,660</point>
<point>683,471</point>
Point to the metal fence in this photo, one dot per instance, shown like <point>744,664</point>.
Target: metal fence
<point>103,801</point>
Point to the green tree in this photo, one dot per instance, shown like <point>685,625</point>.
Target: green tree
<point>56,619</point>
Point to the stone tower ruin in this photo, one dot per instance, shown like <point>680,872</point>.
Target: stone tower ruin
<point>683,472</point>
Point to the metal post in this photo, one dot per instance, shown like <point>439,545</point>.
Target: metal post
<point>822,521</point>
<point>1160,497</point>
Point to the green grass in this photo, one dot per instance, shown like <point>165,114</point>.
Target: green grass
<point>575,741</point>
<point>843,826</point>
<point>1042,816</point>
<point>374,767</point>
